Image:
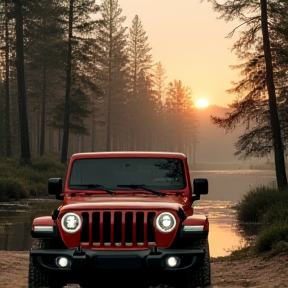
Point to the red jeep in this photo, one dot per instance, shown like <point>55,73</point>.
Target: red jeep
<point>126,220</point>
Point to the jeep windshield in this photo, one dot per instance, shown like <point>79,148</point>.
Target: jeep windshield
<point>122,173</point>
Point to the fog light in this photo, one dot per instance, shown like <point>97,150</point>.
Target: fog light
<point>173,261</point>
<point>62,262</point>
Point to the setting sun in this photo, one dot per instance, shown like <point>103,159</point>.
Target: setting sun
<point>202,103</point>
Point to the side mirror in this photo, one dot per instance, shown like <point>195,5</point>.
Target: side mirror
<point>55,187</point>
<point>200,187</point>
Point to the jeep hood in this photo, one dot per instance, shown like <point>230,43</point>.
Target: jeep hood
<point>125,202</point>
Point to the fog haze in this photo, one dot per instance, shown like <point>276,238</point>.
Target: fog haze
<point>215,148</point>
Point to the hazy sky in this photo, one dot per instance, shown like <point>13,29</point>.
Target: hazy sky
<point>189,41</point>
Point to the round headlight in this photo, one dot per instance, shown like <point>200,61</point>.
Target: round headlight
<point>165,222</point>
<point>71,222</point>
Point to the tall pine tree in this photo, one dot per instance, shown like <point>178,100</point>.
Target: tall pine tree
<point>44,62</point>
<point>113,40</point>
<point>257,27</point>
<point>76,100</point>
<point>22,101</point>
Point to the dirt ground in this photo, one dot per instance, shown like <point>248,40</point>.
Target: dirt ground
<point>256,272</point>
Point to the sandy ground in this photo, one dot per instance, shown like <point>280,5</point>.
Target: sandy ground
<point>256,272</point>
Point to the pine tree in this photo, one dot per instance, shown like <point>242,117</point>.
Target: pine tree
<point>159,87</point>
<point>140,59</point>
<point>178,108</point>
<point>140,85</point>
<point>23,119</point>
<point>76,101</point>
<point>160,78</point>
<point>257,27</point>
<point>7,29</point>
<point>113,40</point>
<point>44,53</point>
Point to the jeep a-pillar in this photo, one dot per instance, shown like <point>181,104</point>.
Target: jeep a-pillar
<point>125,217</point>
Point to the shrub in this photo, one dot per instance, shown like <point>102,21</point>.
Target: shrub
<point>47,165</point>
<point>278,211</point>
<point>267,209</point>
<point>12,189</point>
<point>255,204</point>
<point>8,167</point>
<point>273,238</point>
<point>31,178</point>
<point>260,208</point>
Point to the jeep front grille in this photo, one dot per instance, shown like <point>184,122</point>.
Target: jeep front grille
<point>118,229</point>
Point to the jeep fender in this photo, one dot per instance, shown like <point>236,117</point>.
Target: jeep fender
<point>195,225</point>
<point>44,227</point>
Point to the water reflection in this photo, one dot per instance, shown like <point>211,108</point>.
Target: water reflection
<point>16,219</point>
<point>15,224</point>
<point>231,185</point>
<point>223,239</point>
<point>224,235</point>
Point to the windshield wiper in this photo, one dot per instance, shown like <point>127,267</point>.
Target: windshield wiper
<point>95,186</point>
<point>142,186</point>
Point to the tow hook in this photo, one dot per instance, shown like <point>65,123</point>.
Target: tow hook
<point>154,251</point>
<point>154,260</point>
<point>78,251</point>
<point>79,258</point>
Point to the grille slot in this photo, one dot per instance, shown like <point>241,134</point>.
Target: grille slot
<point>118,229</point>
<point>128,228</point>
<point>106,227</point>
<point>85,228</point>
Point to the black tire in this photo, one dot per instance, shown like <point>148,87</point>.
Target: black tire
<point>202,276</point>
<point>36,278</point>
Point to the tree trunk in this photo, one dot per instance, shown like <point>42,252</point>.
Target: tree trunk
<point>93,138</point>
<point>65,142</point>
<point>274,118</point>
<point>42,115</point>
<point>108,135</point>
<point>23,119</point>
<point>7,87</point>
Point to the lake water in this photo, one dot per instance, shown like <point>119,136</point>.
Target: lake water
<point>226,187</point>
<point>231,185</point>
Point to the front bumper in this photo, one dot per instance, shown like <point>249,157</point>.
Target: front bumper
<point>86,259</point>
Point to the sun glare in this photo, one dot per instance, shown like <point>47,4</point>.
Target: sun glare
<point>202,103</point>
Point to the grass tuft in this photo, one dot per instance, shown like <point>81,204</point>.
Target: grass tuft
<point>273,238</point>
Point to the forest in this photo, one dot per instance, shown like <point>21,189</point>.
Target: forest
<point>74,78</point>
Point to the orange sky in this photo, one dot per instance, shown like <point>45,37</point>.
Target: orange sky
<point>189,41</point>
